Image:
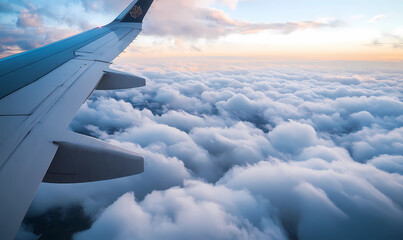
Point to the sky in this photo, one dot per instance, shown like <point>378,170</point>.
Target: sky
<point>279,120</point>
<point>295,29</point>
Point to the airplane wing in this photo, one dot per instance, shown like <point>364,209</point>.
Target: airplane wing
<point>40,92</point>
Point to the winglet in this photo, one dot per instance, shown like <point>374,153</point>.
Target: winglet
<point>135,12</point>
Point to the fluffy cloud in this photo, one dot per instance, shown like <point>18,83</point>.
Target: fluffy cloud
<point>291,137</point>
<point>29,19</point>
<point>372,142</point>
<point>346,199</point>
<point>388,163</point>
<point>205,211</point>
<point>246,151</point>
<point>196,19</point>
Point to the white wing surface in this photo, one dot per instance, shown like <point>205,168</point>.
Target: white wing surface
<point>40,92</point>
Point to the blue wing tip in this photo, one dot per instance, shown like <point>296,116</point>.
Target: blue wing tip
<point>135,12</point>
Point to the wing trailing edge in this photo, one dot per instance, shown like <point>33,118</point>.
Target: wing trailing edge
<point>115,80</point>
<point>81,159</point>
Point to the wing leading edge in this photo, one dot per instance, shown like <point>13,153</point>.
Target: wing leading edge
<point>40,92</point>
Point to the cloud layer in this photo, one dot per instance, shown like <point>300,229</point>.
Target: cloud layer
<point>246,150</point>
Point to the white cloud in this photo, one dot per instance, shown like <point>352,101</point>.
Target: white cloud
<point>205,211</point>
<point>247,151</point>
<point>388,163</point>
<point>292,137</point>
<point>321,200</point>
<point>29,19</point>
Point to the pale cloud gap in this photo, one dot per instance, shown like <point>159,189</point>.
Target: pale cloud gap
<point>246,151</point>
<point>377,18</point>
<point>393,40</point>
<point>356,17</point>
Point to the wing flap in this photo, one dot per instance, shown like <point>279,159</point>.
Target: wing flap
<point>114,80</point>
<point>81,159</point>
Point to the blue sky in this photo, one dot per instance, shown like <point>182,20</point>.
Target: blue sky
<point>324,30</point>
<point>298,10</point>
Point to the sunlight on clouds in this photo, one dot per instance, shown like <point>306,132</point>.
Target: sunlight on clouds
<point>245,148</point>
<point>331,44</point>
